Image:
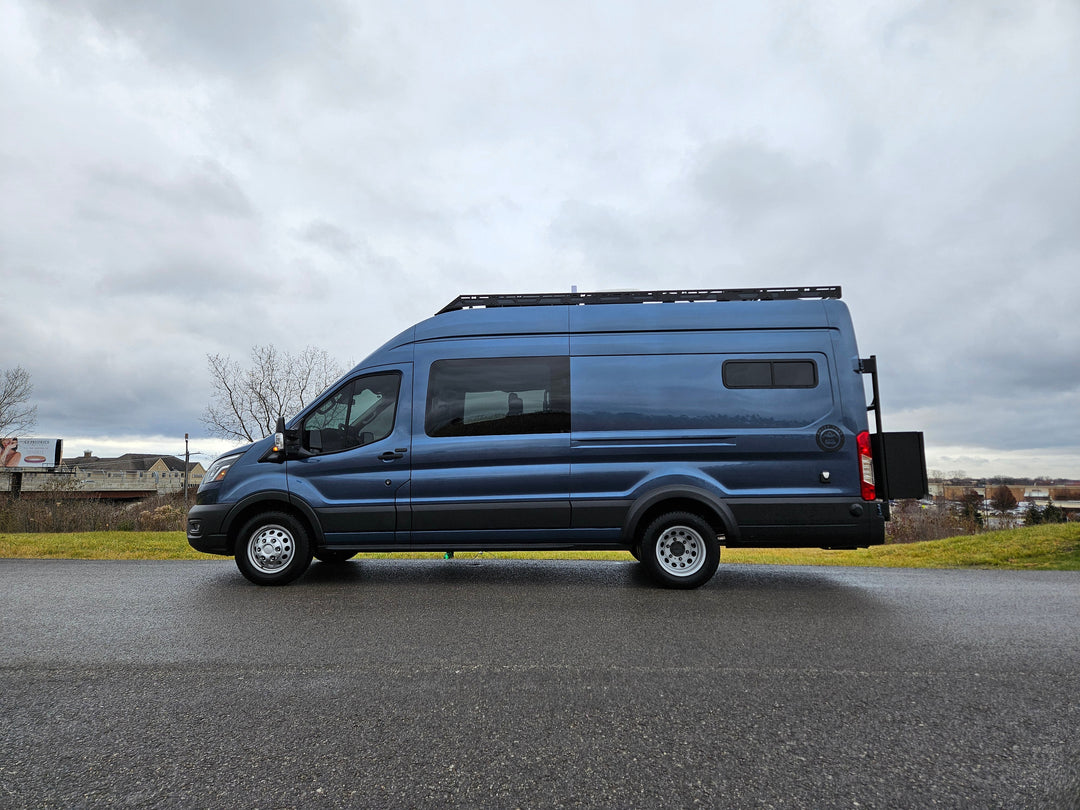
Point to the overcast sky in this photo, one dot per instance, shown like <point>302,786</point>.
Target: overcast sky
<point>188,177</point>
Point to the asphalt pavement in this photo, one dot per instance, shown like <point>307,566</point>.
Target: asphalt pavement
<point>496,683</point>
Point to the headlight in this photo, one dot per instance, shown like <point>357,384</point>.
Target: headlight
<point>219,469</point>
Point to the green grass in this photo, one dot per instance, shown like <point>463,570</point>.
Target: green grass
<point>1055,547</point>
<point>99,546</point>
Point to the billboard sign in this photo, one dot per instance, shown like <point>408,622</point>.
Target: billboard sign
<point>30,454</point>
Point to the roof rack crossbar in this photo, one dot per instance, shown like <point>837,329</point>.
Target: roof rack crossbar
<point>635,297</point>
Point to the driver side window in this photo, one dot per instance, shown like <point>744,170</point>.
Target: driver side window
<point>359,412</point>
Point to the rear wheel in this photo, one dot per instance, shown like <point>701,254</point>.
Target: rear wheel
<point>273,549</point>
<point>680,550</point>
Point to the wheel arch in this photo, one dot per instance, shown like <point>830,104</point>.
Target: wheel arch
<point>673,498</point>
<point>246,509</point>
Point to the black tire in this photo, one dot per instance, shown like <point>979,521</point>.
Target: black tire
<point>680,550</point>
<point>273,549</point>
<point>331,555</point>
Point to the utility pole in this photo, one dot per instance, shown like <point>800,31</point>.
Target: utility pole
<point>187,467</point>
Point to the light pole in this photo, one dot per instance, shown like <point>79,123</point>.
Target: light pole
<point>187,467</point>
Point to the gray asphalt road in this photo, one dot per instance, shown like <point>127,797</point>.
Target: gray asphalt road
<point>536,684</point>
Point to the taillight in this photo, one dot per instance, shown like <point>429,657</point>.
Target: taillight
<point>866,466</point>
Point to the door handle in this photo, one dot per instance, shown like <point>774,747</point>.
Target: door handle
<point>393,455</point>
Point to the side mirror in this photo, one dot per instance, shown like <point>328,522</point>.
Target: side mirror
<point>285,444</point>
<point>279,436</point>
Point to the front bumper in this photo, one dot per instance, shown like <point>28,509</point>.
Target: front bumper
<point>205,529</point>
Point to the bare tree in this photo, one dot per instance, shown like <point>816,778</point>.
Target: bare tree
<point>246,402</point>
<point>17,415</point>
<point>1002,499</point>
<point>970,510</point>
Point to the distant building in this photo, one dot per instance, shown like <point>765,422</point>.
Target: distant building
<point>130,476</point>
<point>144,471</point>
<point>1066,497</point>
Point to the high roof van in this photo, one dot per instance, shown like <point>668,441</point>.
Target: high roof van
<point>667,424</point>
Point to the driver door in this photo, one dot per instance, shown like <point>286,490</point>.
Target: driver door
<point>359,466</point>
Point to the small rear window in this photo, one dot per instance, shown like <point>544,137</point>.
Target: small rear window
<point>770,374</point>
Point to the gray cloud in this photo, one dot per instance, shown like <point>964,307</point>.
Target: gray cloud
<point>205,188</point>
<point>329,237</point>
<point>226,38</point>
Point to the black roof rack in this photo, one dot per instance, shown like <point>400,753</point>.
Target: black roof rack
<point>634,297</point>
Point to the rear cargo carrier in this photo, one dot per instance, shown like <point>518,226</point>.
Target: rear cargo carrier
<point>900,457</point>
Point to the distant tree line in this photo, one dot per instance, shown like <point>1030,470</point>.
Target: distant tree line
<point>960,479</point>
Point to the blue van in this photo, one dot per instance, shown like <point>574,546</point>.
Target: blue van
<point>662,423</point>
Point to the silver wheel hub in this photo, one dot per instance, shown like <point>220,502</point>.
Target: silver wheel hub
<point>680,550</point>
<point>270,549</point>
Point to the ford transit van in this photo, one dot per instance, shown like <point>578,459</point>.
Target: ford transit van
<point>667,424</point>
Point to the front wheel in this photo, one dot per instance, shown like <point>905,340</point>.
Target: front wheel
<point>680,550</point>
<point>273,549</point>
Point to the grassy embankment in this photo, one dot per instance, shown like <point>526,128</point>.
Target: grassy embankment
<point>1054,547</point>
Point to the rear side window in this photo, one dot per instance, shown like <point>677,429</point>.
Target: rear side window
<point>498,396</point>
<point>695,392</point>
<point>770,374</point>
